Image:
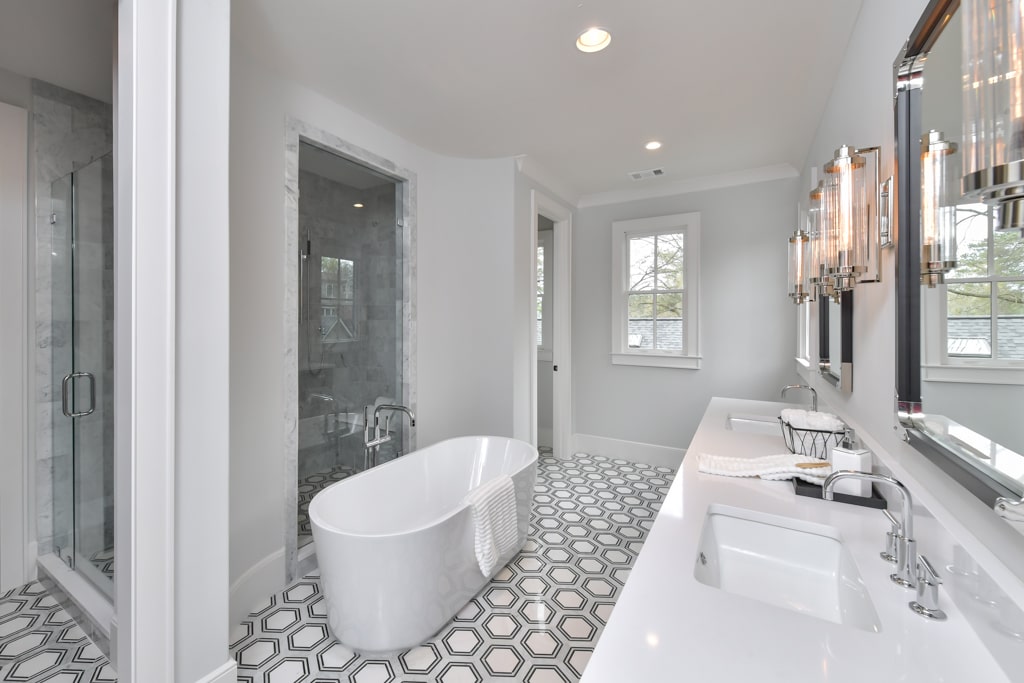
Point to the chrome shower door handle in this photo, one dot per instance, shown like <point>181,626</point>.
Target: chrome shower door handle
<point>65,394</point>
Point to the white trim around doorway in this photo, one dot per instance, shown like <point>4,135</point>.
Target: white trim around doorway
<point>562,404</point>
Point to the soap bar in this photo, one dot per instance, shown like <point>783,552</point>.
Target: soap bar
<point>857,459</point>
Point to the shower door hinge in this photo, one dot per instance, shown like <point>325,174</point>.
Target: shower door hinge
<point>53,219</point>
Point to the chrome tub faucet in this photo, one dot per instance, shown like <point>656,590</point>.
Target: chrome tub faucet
<point>372,445</point>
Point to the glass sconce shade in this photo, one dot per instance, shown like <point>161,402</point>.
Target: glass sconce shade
<point>938,208</point>
<point>818,279</point>
<point>798,244</point>
<point>847,213</point>
<point>993,107</point>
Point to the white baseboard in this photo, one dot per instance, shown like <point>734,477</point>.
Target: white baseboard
<point>633,451</point>
<point>225,673</point>
<point>257,583</point>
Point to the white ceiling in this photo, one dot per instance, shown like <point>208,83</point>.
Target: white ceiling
<point>66,42</point>
<point>726,86</point>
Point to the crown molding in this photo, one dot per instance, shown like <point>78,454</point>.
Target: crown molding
<point>712,182</point>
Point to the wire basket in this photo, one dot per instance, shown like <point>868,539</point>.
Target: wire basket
<point>815,443</point>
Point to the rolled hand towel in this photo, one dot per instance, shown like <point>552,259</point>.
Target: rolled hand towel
<point>808,419</point>
<point>772,467</point>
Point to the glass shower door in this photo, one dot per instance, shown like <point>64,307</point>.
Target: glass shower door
<point>83,504</point>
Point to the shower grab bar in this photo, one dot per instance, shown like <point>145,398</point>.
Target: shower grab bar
<point>65,393</point>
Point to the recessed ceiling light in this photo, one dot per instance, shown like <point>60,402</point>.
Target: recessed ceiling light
<point>357,205</point>
<point>594,39</point>
<point>653,145</point>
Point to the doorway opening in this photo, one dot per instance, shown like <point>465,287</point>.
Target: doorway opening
<point>349,319</point>
<point>551,364</point>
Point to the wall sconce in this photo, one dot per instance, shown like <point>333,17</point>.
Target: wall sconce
<point>993,107</point>
<point>798,243</point>
<point>819,280</point>
<point>938,208</point>
<point>847,211</point>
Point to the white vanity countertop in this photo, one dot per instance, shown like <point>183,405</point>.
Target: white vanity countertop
<point>666,626</point>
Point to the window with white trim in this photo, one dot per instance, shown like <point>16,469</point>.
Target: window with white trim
<point>977,318</point>
<point>655,291</point>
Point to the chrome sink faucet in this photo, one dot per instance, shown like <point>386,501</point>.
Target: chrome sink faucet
<point>906,546</point>
<point>814,394</point>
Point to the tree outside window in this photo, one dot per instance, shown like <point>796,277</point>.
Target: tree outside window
<point>656,298</point>
<point>985,293</point>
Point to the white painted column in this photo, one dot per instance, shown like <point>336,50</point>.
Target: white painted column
<point>202,358</point>
<point>13,345</point>
<point>171,341</point>
<point>144,305</point>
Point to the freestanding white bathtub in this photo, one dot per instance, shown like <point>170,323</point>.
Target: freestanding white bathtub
<point>395,543</point>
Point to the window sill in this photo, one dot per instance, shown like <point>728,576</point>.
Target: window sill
<point>653,360</point>
<point>973,374</point>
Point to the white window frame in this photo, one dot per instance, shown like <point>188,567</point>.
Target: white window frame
<point>937,365</point>
<point>546,242</point>
<point>689,225</point>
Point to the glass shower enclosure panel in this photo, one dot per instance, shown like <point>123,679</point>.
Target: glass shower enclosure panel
<point>83,372</point>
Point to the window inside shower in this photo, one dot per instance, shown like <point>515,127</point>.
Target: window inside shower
<point>350,317</point>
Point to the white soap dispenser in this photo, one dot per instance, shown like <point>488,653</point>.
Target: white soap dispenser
<point>850,456</point>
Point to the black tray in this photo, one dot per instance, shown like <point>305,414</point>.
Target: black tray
<point>803,488</point>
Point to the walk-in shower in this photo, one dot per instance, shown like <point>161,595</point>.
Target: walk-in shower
<point>351,317</point>
<point>81,383</point>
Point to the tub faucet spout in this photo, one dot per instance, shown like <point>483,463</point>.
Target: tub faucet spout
<point>382,436</point>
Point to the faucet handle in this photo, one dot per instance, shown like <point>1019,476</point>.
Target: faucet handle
<point>928,582</point>
<point>891,539</point>
<point>1009,509</point>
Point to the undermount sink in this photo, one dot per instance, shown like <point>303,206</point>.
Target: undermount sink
<point>754,424</point>
<point>801,566</point>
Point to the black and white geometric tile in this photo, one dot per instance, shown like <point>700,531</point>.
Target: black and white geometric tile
<point>536,621</point>
<point>40,642</point>
<point>309,487</point>
<point>104,562</point>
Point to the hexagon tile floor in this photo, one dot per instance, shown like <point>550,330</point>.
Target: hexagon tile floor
<point>40,642</point>
<point>536,621</point>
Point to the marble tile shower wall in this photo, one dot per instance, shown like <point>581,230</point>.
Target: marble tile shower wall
<point>359,371</point>
<point>68,131</point>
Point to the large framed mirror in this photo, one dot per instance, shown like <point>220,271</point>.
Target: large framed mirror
<point>960,361</point>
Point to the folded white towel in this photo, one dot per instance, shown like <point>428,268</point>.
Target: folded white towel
<point>493,505</point>
<point>772,467</point>
<point>809,419</point>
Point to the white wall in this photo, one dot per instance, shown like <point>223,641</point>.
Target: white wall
<point>465,291</point>
<point>746,339</point>
<point>15,89</point>
<point>13,347</point>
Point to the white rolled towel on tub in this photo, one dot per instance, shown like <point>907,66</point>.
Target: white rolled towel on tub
<point>493,505</point>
